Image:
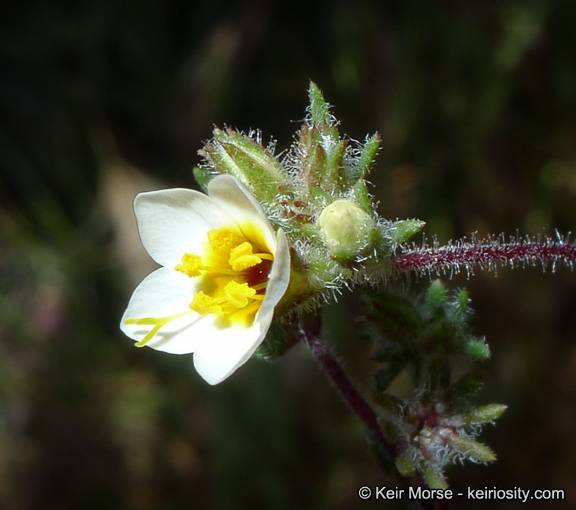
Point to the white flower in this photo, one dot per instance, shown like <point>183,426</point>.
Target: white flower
<point>224,270</point>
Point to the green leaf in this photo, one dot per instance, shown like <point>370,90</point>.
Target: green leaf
<point>484,414</point>
<point>436,295</point>
<point>393,315</point>
<point>475,348</point>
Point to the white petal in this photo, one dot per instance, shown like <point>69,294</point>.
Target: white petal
<point>164,293</point>
<point>279,277</point>
<point>175,221</point>
<point>232,196</point>
<point>222,351</point>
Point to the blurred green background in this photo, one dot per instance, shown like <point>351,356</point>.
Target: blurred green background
<point>476,103</point>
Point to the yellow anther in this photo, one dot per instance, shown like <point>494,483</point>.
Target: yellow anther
<point>237,294</point>
<point>241,257</point>
<point>223,239</point>
<point>191,264</point>
<point>202,303</point>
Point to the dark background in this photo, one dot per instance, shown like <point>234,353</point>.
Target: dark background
<point>476,103</point>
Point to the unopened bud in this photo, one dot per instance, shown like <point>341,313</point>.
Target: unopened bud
<point>346,229</point>
<point>485,413</point>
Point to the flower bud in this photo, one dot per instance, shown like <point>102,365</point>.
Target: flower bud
<point>346,229</point>
<point>237,154</point>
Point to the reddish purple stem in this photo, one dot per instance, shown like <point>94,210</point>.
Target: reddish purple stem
<point>489,254</point>
<point>322,352</point>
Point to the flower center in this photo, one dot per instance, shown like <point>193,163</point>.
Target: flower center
<point>234,273</point>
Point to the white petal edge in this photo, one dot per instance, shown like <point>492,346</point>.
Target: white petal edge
<point>175,221</point>
<point>235,198</point>
<point>220,353</point>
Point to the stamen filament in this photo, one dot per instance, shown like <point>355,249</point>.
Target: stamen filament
<point>265,256</point>
<point>157,322</point>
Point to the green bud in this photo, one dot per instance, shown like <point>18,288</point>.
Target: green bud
<point>476,348</point>
<point>434,478</point>
<point>346,229</point>
<point>436,295</point>
<point>234,153</point>
<point>406,464</point>
<point>485,414</point>
<point>475,451</point>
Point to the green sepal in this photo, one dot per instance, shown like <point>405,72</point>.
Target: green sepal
<point>202,176</point>
<point>275,343</point>
<point>368,154</point>
<point>311,157</point>
<point>332,176</point>
<point>484,414</point>
<point>400,231</point>
<point>320,197</point>
<point>362,195</point>
<point>462,305</point>
<point>319,110</point>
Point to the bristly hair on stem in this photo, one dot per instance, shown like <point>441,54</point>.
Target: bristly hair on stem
<point>490,253</point>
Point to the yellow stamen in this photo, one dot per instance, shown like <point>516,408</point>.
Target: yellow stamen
<point>191,265</point>
<point>231,279</point>
<point>157,322</point>
<point>238,293</point>
<point>203,304</point>
<point>223,239</point>
<point>241,257</point>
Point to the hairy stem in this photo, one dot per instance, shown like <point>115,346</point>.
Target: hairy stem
<point>386,451</point>
<point>486,254</point>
